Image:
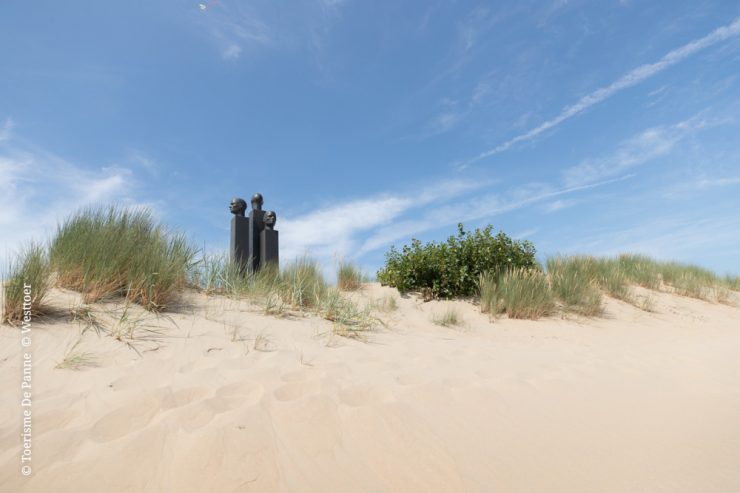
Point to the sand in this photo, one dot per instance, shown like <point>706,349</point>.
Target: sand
<point>223,398</point>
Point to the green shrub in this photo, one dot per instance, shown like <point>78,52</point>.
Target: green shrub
<point>109,251</point>
<point>30,268</point>
<point>349,277</point>
<point>453,268</point>
<point>520,293</point>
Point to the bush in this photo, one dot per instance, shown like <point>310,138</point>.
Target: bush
<point>520,293</point>
<point>32,268</point>
<point>103,252</point>
<point>453,268</point>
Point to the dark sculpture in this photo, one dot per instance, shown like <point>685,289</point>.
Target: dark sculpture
<point>237,206</point>
<point>257,201</point>
<point>270,219</point>
<point>254,241</point>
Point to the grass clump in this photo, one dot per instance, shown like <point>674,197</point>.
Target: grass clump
<point>732,282</point>
<point>387,303</point>
<point>216,274</point>
<point>76,360</point>
<point>301,284</point>
<point>104,252</point>
<point>349,319</point>
<point>452,268</point>
<point>641,270</point>
<point>520,293</point>
<point>349,277</point>
<point>448,318</point>
<point>27,282</point>
<point>572,281</point>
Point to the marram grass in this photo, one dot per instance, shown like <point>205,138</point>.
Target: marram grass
<point>349,277</point>
<point>105,252</point>
<point>27,280</point>
<point>520,293</point>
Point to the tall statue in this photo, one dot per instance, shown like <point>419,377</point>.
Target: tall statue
<point>239,252</point>
<point>254,241</point>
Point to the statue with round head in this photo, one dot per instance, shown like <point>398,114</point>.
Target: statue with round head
<point>237,206</point>
<point>270,219</point>
<point>257,202</point>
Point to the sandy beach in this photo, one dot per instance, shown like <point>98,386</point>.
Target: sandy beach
<point>217,396</point>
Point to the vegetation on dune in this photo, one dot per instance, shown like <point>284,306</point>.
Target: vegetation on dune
<point>453,268</point>
<point>105,252</point>
<point>520,293</point>
<point>575,285</point>
<point>300,285</point>
<point>349,277</point>
<point>27,280</point>
<point>449,318</point>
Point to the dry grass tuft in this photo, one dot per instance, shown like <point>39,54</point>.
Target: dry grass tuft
<point>349,277</point>
<point>449,318</point>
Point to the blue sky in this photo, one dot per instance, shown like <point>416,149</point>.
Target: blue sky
<point>589,127</point>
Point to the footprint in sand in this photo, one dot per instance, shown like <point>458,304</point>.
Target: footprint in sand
<point>297,390</point>
<point>301,375</point>
<point>182,397</point>
<point>365,395</point>
<point>130,417</point>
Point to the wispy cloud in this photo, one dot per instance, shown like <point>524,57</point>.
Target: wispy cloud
<point>475,208</point>
<point>700,184</point>
<point>6,129</point>
<point>559,205</point>
<point>680,237</point>
<point>628,80</point>
<point>38,188</point>
<point>637,150</point>
<point>241,28</point>
<point>336,229</point>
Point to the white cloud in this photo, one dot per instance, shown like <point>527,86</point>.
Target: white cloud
<point>478,207</point>
<point>637,150</point>
<point>631,78</point>
<point>38,189</point>
<point>335,230</point>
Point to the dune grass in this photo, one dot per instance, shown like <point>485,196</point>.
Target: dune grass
<point>104,252</point>
<point>573,282</point>
<point>386,304</point>
<point>27,280</point>
<point>520,293</point>
<point>349,277</point>
<point>684,279</point>
<point>449,318</point>
<point>349,319</point>
<point>76,360</point>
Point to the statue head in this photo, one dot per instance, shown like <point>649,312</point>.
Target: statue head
<point>270,219</point>
<point>238,206</point>
<point>257,201</point>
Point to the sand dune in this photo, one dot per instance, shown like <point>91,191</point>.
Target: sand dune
<point>222,398</point>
